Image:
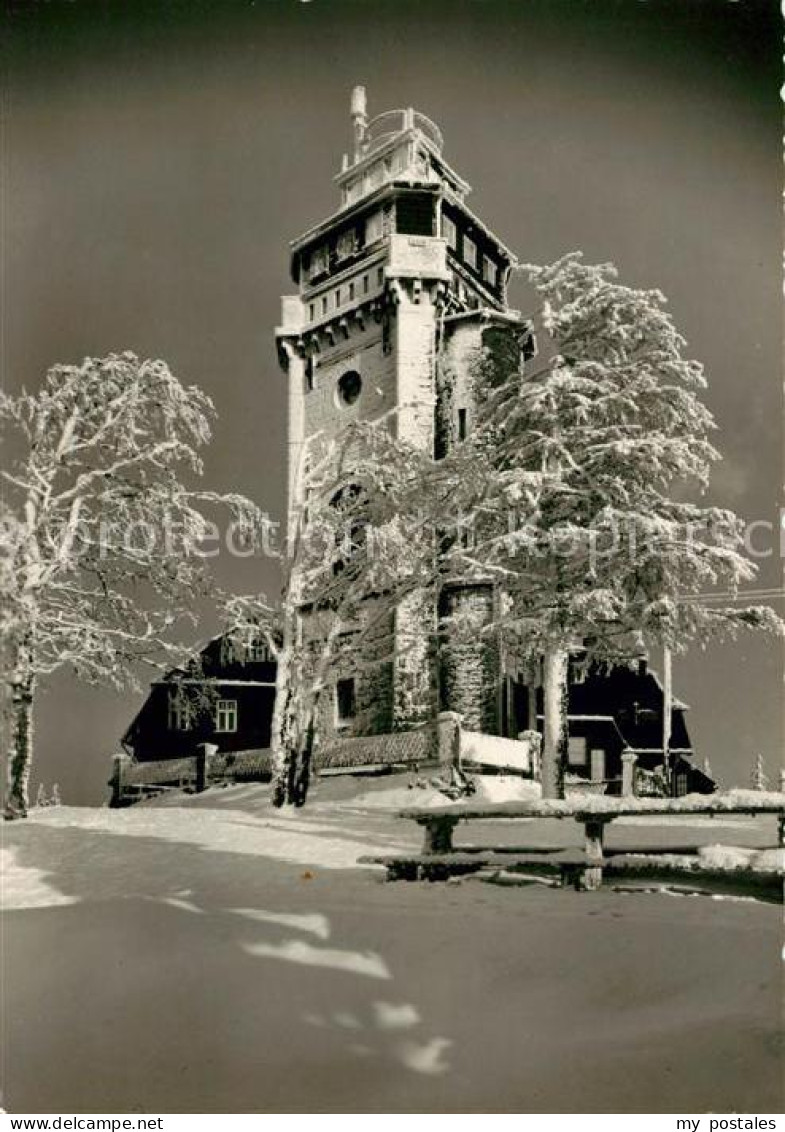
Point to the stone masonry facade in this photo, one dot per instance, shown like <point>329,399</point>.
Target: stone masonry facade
<point>397,293</point>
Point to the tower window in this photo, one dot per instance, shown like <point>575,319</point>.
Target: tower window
<point>374,227</point>
<point>311,311</point>
<point>415,214</point>
<point>461,424</point>
<point>380,275</point>
<point>325,304</point>
<point>345,701</point>
<point>351,292</point>
<point>226,716</point>
<point>337,297</point>
<point>349,387</point>
<point>366,284</point>
<point>449,231</point>
<point>470,252</point>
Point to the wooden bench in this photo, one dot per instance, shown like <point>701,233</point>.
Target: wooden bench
<point>440,858</point>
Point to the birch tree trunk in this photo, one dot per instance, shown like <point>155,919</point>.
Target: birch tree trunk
<point>283,737</point>
<point>21,754</point>
<point>555,723</point>
<point>301,778</point>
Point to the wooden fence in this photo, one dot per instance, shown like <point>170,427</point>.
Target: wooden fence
<point>132,781</point>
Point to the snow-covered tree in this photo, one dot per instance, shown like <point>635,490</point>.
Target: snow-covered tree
<point>576,479</point>
<point>101,529</point>
<point>570,495</point>
<point>758,777</point>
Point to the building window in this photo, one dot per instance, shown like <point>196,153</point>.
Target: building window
<point>181,711</point>
<point>226,715</point>
<point>470,252</point>
<point>461,424</point>
<point>597,762</point>
<point>366,284</point>
<point>309,380</point>
<point>337,297</point>
<point>415,214</point>
<point>487,269</point>
<point>578,751</point>
<point>345,701</point>
<point>380,275</point>
<point>325,304</point>
<point>349,387</point>
<point>351,292</point>
<point>258,651</point>
<point>347,244</point>
<point>311,312</point>
<point>374,228</point>
<point>449,231</point>
<point>319,262</point>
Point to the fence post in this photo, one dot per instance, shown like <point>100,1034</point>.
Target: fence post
<point>204,751</point>
<point>448,738</point>
<point>628,761</point>
<point>120,763</point>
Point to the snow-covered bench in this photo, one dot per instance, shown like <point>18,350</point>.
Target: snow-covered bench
<point>440,858</point>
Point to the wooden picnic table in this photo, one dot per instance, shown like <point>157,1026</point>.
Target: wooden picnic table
<point>594,813</point>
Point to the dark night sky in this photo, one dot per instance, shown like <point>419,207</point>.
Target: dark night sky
<point>160,156</point>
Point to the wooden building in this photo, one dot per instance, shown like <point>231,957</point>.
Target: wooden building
<point>225,697</point>
<point>613,712</point>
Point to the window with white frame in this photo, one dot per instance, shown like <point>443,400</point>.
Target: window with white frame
<point>470,252</point>
<point>181,711</point>
<point>449,231</point>
<point>578,750</point>
<point>226,715</point>
<point>257,651</point>
<point>374,227</point>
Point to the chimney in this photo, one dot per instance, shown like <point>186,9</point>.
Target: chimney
<point>359,115</point>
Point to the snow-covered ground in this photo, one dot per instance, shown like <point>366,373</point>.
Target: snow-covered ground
<point>211,954</point>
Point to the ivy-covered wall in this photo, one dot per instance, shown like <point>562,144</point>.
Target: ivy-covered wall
<point>469,663</point>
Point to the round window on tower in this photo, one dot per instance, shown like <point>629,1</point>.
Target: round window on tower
<point>349,387</point>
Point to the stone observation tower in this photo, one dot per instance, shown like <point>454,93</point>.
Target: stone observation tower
<point>401,274</point>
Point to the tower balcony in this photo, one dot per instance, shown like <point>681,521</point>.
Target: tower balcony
<point>393,122</point>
